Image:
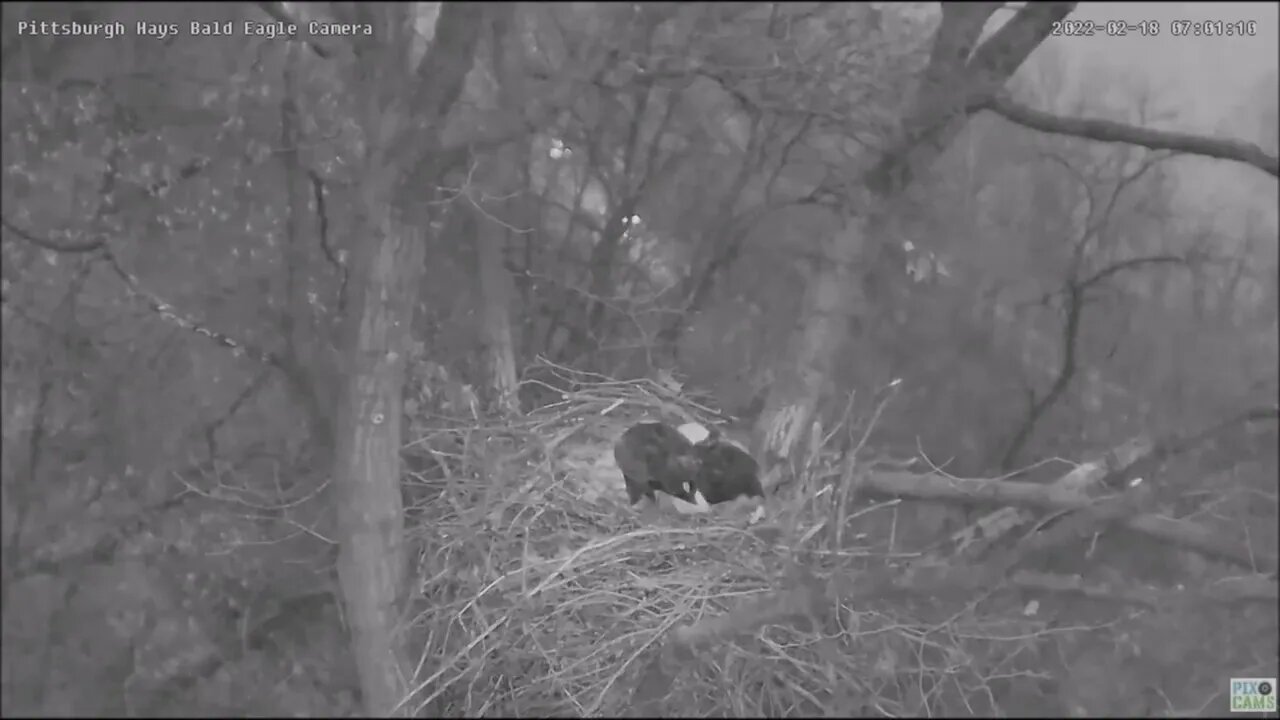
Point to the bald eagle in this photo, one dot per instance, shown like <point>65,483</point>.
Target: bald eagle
<point>654,457</point>
<point>725,470</point>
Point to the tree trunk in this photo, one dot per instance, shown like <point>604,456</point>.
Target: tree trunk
<point>372,562</point>
<point>406,116</point>
<point>494,220</point>
<point>495,293</point>
<point>957,79</point>
<point>834,294</point>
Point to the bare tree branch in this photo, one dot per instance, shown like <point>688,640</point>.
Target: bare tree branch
<point>1117,132</point>
<point>82,246</point>
<point>1129,264</point>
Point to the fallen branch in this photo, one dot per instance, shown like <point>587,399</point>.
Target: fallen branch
<point>1255,588</point>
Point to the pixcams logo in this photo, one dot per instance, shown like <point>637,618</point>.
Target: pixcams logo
<point>1253,695</point>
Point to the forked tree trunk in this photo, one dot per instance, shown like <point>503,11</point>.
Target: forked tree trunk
<point>957,79</point>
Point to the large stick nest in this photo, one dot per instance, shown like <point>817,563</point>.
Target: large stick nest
<point>539,592</point>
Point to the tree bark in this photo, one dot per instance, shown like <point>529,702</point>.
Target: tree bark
<point>949,89</point>
<point>793,400</point>
<point>371,563</point>
<point>495,293</point>
<point>406,110</point>
<point>493,223</point>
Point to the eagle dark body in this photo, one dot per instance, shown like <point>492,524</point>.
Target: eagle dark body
<point>726,472</point>
<point>655,457</point>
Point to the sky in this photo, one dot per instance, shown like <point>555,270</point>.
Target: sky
<point>1202,77</point>
<point>1208,85</point>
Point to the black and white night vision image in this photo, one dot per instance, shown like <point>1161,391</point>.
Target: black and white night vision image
<point>603,359</point>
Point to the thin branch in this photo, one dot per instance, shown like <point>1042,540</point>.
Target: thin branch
<point>1117,132</point>
<point>1096,223</point>
<point>83,246</point>
<point>172,315</point>
<point>1129,264</point>
<point>1148,162</point>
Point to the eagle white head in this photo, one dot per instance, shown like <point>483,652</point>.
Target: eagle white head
<point>694,432</point>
